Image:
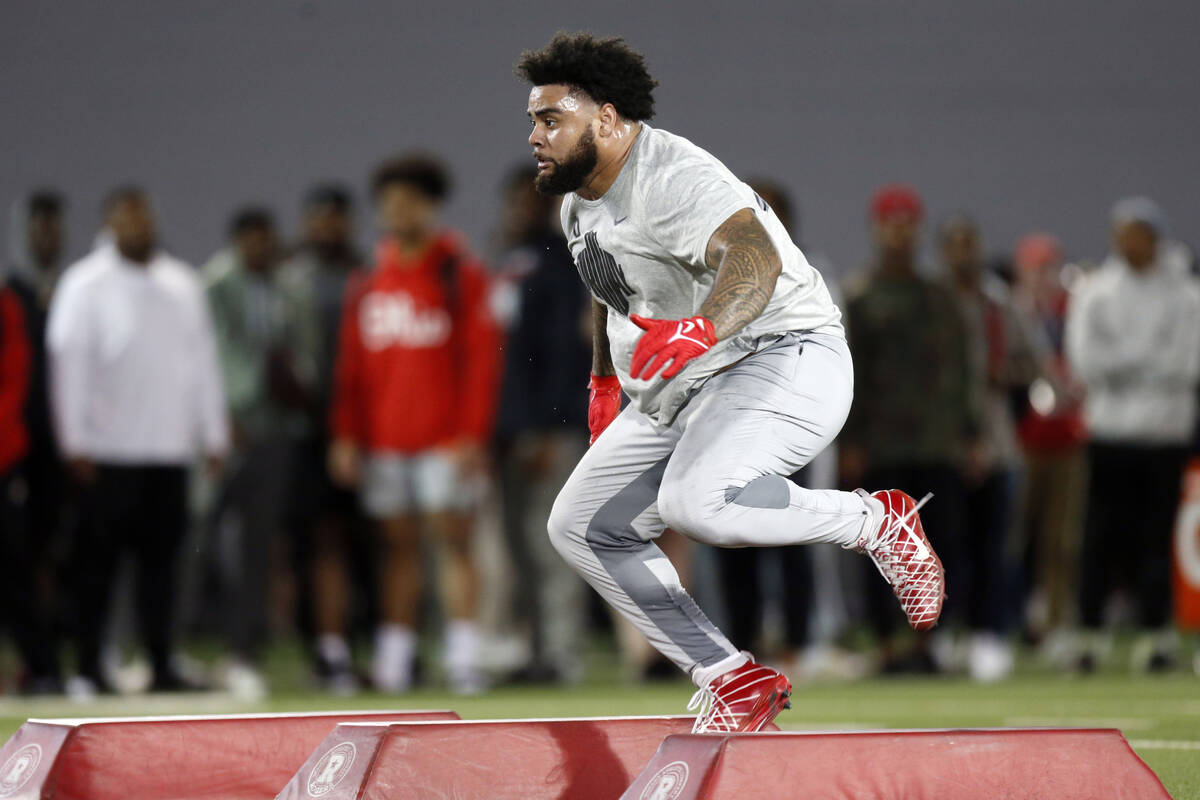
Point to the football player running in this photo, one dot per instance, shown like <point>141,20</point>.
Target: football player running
<point>735,363</point>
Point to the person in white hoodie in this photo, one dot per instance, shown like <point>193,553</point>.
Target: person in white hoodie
<point>136,395</point>
<point>1133,338</point>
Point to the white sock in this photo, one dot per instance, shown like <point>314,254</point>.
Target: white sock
<point>462,649</point>
<point>702,676</point>
<point>391,669</point>
<point>871,521</point>
<point>333,649</point>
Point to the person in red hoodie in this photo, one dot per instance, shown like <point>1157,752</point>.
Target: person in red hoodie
<point>415,390</point>
<point>20,613</point>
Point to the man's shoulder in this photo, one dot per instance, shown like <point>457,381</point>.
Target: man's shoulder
<point>94,266</point>
<point>665,158</point>
<point>178,274</point>
<point>297,269</point>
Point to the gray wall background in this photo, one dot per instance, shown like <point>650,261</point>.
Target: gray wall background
<point>1031,116</point>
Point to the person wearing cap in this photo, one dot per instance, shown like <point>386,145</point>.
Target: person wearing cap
<point>1052,435</point>
<point>914,423</point>
<point>1133,337</point>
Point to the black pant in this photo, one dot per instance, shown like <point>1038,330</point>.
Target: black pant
<point>943,519</point>
<point>21,609</point>
<point>141,510</point>
<point>318,517</point>
<point>986,563</point>
<point>1133,496</point>
<point>741,585</point>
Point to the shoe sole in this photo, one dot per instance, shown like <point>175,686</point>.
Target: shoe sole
<point>768,706</point>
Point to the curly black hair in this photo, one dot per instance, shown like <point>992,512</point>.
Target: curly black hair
<point>425,172</point>
<point>607,69</point>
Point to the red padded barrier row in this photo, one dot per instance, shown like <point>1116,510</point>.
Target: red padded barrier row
<point>900,765</point>
<point>237,757</point>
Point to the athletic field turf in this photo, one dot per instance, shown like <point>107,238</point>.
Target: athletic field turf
<point>1160,716</point>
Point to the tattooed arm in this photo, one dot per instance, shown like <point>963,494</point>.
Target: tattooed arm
<point>747,265</point>
<point>601,353</point>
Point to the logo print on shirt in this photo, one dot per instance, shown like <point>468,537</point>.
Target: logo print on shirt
<point>393,318</point>
<point>603,275</point>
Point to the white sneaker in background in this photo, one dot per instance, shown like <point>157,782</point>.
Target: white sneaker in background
<point>461,658</point>
<point>335,669</point>
<point>950,651</point>
<point>392,662</point>
<point>990,658</point>
<point>80,689</point>
<point>827,661</point>
<point>131,677</point>
<point>245,682</point>
<point>1059,648</point>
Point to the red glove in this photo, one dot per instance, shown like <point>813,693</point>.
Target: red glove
<point>604,403</point>
<point>677,340</point>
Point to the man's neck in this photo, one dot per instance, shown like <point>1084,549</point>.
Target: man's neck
<point>897,264</point>
<point>1141,268</point>
<point>137,259</point>
<point>609,168</point>
<point>966,279</point>
<point>413,247</point>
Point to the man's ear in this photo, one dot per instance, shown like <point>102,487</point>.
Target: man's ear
<point>608,119</point>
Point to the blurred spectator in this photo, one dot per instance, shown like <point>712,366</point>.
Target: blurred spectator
<point>739,569</point>
<point>913,420</point>
<point>137,393</point>
<point>323,517</point>
<point>541,424</point>
<point>265,400</point>
<point>413,405</point>
<point>1003,362</point>
<point>37,249</point>
<point>20,611</point>
<point>1052,434</point>
<point>1133,337</point>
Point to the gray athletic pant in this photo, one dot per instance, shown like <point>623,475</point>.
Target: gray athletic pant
<point>716,475</point>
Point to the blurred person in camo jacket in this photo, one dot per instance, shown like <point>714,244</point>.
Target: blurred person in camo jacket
<point>413,402</point>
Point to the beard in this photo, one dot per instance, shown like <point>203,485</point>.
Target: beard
<point>570,173</point>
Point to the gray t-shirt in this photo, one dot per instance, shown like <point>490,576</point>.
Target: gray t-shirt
<point>640,250</point>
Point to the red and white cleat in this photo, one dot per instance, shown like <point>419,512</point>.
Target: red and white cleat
<point>905,559</point>
<point>741,700</point>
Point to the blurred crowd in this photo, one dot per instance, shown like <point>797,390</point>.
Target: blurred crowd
<point>361,449</point>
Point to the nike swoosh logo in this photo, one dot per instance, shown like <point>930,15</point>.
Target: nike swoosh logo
<point>923,553</point>
<point>682,332</point>
<point>617,222</point>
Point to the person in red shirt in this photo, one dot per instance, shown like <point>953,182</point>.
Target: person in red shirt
<point>414,395</point>
<point>1053,438</point>
<point>20,612</point>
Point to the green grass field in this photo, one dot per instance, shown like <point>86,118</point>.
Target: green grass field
<point>1160,716</point>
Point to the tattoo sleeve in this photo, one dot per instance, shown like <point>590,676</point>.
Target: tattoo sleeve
<point>747,265</point>
<point>601,354</point>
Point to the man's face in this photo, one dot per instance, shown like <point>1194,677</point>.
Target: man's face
<point>405,211</point>
<point>45,239</point>
<point>1137,243</point>
<point>327,228</point>
<point>961,249</point>
<point>563,137</point>
<point>132,224</point>
<point>257,247</point>
<point>897,233</point>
